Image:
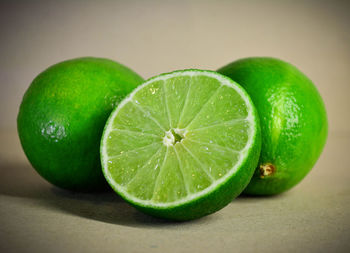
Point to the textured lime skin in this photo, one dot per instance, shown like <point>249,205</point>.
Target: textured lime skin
<point>62,115</point>
<point>293,120</point>
<point>213,200</point>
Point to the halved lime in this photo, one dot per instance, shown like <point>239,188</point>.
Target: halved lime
<point>182,145</point>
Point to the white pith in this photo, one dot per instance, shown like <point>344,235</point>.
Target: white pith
<point>168,139</point>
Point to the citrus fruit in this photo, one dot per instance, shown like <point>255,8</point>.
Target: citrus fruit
<point>62,115</point>
<point>293,121</point>
<point>182,145</point>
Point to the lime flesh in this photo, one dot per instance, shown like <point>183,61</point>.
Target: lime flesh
<point>182,145</point>
<point>293,121</point>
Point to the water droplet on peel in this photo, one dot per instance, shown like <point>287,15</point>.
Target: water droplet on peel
<point>110,162</point>
<point>206,148</point>
<point>210,141</point>
<point>137,102</point>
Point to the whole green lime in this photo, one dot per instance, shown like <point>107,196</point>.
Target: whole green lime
<point>62,115</point>
<point>293,121</point>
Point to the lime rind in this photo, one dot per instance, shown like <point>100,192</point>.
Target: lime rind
<point>242,159</point>
<point>294,121</point>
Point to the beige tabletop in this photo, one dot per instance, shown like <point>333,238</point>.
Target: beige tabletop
<point>152,37</point>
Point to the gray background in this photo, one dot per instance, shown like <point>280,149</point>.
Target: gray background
<point>152,37</point>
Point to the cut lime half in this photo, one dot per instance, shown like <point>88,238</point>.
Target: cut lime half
<point>182,145</point>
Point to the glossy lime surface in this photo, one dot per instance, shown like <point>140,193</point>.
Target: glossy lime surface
<point>62,115</point>
<point>293,121</point>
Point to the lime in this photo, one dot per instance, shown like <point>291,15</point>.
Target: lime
<point>62,115</point>
<point>182,145</point>
<point>293,121</point>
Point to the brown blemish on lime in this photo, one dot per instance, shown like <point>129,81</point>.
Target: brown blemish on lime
<point>266,170</point>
